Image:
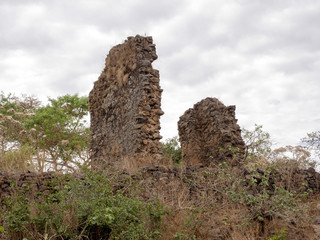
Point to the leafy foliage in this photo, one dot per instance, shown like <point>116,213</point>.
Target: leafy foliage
<point>55,135</point>
<point>172,150</point>
<point>81,209</point>
<point>13,113</point>
<point>258,143</point>
<point>313,142</point>
<point>280,235</point>
<point>257,192</point>
<point>61,130</point>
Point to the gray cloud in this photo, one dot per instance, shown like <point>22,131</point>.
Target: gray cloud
<point>262,56</point>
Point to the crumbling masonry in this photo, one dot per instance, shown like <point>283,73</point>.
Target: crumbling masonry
<point>125,116</point>
<point>125,107</point>
<point>209,133</point>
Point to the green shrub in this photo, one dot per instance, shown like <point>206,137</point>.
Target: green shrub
<point>265,200</point>
<point>280,235</point>
<point>86,208</point>
<point>18,216</point>
<point>183,236</point>
<point>172,151</point>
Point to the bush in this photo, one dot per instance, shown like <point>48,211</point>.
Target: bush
<point>86,208</point>
<point>258,143</point>
<point>172,151</point>
<point>280,235</point>
<point>258,192</point>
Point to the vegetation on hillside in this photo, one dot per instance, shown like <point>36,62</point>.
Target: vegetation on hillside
<point>257,201</point>
<point>80,208</point>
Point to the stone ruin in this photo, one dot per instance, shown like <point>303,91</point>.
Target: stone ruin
<point>125,107</point>
<point>125,111</point>
<point>209,133</point>
<point>125,114</point>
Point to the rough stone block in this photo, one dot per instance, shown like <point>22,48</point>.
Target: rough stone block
<point>209,133</point>
<point>125,107</point>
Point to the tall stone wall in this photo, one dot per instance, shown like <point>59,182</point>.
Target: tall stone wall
<point>209,133</point>
<point>125,107</point>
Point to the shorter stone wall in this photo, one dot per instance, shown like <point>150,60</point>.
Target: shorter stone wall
<point>25,181</point>
<point>156,181</point>
<point>209,133</point>
<point>291,179</point>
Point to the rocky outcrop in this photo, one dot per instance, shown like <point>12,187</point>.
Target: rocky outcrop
<point>125,107</point>
<point>209,133</point>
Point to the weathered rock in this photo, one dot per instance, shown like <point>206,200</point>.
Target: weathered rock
<point>28,182</point>
<point>209,133</point>
<point>125,107</point>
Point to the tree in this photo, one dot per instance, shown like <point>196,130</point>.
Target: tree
<point>54,135</point>
<point>258,143</point>
<point>15,154</point>
<point>59,131</point>
<point>312,142</point>
<point>292,156</point>
<point>14,112</point>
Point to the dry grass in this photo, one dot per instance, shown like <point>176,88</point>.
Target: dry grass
<point>19,160</point>
<point>200,206</point>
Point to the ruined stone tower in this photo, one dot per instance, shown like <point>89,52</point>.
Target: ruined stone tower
<point>125,107</point>
<point>209,134</point>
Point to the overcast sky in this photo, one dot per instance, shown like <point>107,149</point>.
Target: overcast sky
<point>261,55</point>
